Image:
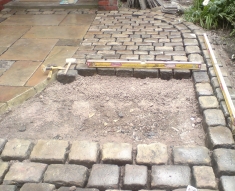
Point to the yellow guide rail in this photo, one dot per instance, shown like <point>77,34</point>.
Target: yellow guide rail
<point>147,64</point>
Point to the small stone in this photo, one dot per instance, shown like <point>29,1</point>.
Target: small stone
<point>66,175</point>
<point>37,187</point>
<point>21,173</point>
<point>21,128</point>
<point>224,161</point>
<point>227,183</point>
<point>69,77</point>
<point>152,154</point>
<point>104,176</point>
<point>170,176</point>
<point>204,177</point>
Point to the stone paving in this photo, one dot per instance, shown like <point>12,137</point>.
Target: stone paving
<point>86,166</point>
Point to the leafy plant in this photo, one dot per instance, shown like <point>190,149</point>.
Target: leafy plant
<point>212,14</point>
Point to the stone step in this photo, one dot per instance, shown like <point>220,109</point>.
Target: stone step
<point>51,5</point>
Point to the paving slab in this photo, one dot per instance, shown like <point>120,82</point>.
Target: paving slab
<point>136,177</point>
<point>104,176</point>
<point>201,77</point>
<point>57,32</point>
<point>219,137</point>
<point>191,155</point>
<point>192,50</point>
<point>10,34</point>
<point>204,177</point>
<point>37,187</point>
<point>21,70</point>
<point>50,151</point>
<point>213,117</point>
<point>117,153</point>
<point>152,154</point>
<point>208,102</point>
<point>22,49</point>
<point>84,153</point>
<point>8,187</point>
<point>170,176</point>
<point>204,89</point>
<point>78,19</point>
<point>66,175</point>
<point>32,20</point>
<point>227,183</point>
<point>21,173</point>
<point>224,162</point>
<point>195,58</point>
<point>17,149</point>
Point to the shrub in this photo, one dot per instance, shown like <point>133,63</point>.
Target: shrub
<point>212,14</point>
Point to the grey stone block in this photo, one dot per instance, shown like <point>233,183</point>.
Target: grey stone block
<point>37,187</point>
<point>189,35</point>
<point>201,77</point>
<point>208,102</point>
<point>21,173</point>
<point>170,176</point>
<point>52,151</point>
<point>213,117</point>
<point>191,155</point>
<point>190,42</point>
<point>2,144</point>
<point>17,149</point>
<point>219,137</point>
<point>152,154</point>
<point>182,74</point>
<point>224,108</point>
<point>106,71</point>
<point>166,74</point>
<point>84,70</point>
<point>220,96</point>
<point>72,188</point>
<point>4,166</point>
<point>195,58</point>
<point>145,73</point>
<point>204,177</point>
<point>8,187</point>
<point>84,153</point>
<point>212,73</point>
<point>215,83</point>
<point>204,89</point>
<point>69,77</point>
<point>66,175</point>
<point>124,72</point>
<point>224,161</point>
<point>227,183</point>
<point>116,153</point>
<point>104,176</point>
<point>192,50</point>
<point>136,177</point>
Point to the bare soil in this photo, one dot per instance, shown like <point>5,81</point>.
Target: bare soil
<point>108,109</point>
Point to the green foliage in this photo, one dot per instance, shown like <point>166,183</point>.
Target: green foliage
<point>216,14</point>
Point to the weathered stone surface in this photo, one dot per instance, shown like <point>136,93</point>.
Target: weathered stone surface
<point>84,70</point>
<point>145,73</point>
<point>152,154</point>
<point>124,72</point>
<point>192,50</point>
<point>182,74</point>
<point>17,149</point>
<point>212,73</point>
<point>215,82</point>
<point>191,155</point>
<point>106,71</point>
<point>219,137</point>
<point>4,166</point>
<point>66,175</point>
<point>203,89</point>
<point>37,187</point>
<point>117,153</point>
<point>204,177</point>
<point>224,108</point>
<point>20,173</point>
<point>183,189</point>
<point>224,161</point>
<point>189,35</point>
<point>208,102</point>
<point>201,77</point>
<point>69,77</point>
<point>104,176</point>
<point>166,74</point>
<point>220,96</point>
<point>84,153</point>
<point>213,117</point>
<point>195,58</point>
<point>8,187</point>
<point>227,183</point>
<point>170,176</point>
<point>136,177</point>
<point>52,151</point>
<point>72,188</point>
<point>2,144</point>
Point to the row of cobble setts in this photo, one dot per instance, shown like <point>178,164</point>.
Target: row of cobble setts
<point>86,164</point>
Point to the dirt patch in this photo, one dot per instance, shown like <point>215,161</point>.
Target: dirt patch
<point>110,109</point>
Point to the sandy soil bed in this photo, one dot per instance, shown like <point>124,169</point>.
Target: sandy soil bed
<point>110,109</point>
